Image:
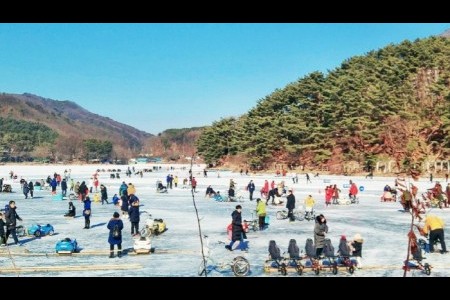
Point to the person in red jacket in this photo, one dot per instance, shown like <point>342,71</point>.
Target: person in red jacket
<point>353,190</point>
<point>194,184</point>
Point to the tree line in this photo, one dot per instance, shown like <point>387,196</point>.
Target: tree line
<point>389,103</point>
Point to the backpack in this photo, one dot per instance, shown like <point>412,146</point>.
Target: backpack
<point>328,249</point>
<point>116,231</point>
<point>274,251</point>
<point>309,248</point>
<point>293,250</point>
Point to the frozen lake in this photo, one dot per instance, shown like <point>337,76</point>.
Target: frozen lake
<point>177,251</point>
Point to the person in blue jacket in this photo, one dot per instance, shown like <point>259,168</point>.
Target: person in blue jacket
<point>115,226</point>
<point>115,199</point>
<point>133,214</point>
<point>53,184</point>
<point>87,213</point>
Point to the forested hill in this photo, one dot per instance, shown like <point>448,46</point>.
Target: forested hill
<point>38,127</point>
<point>390,103</point>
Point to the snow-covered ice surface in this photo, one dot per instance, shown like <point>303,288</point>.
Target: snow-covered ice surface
<point>382,225</point>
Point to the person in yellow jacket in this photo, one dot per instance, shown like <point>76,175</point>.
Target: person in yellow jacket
<point>131,190</point>
<point>309,205</point>
<point>435,226</point>
<point>261,212</point>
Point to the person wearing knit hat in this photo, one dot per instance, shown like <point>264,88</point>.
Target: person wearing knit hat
<point>357,249</point>
<point>344,248</point>
<point>115,226</point>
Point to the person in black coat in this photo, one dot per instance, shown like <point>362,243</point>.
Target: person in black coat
<point>124,206</point>
<point>25,189</point>
<point>11,218</point>
<point>31,188</point>
<point>2,231</point>
<point>82,190</point>
<point>133,214</point>
<point>72,210</point>
<point>290,205</point>
<point>251,189</point>
<point>114,239</point>
<point>231,194</point>
<point>104,193</point>
<point>237,232</point>
<point>64,187</point>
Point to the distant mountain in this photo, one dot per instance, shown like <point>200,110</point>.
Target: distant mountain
<point>174,144</point>
<point>71,123</point>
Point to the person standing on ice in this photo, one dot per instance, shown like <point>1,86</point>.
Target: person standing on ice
<point>2,231</point>
<point>309,205</point>
<point>133,214</point>
<point>320,229</point>
<point>124,203</point>
<point>64,187</point>
<point>237,231</point>
<point>194,184</point>
<point>115,226</point>
<point>104,193</point>
<point>353,191</point>
<point>251,189</point>
<point>53,184</point>
<point>290,205</point>
<point>25,189</point>
<point>83,190</point>
<point>87,213</point>
<point>11,218</point>
<point>261,212</point>
<point>308,179</point>
<point>31,188</point>
<point>123,187</point>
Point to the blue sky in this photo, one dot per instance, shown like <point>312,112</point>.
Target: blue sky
<point>160,76</point>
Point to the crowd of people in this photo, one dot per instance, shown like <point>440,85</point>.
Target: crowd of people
<point>278,194</point>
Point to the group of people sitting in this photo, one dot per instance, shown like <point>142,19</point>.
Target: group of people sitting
<point>210,193</point>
